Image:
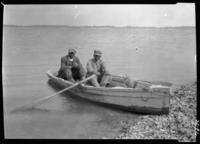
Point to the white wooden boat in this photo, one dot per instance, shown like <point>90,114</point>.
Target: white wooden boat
<point>154,99</point>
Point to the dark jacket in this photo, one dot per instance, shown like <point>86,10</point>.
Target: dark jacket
<point>67,64</point>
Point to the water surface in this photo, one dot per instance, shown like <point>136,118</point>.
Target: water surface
<point>165,54</point>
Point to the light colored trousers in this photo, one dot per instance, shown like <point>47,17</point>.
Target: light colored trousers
<point>100,81</point>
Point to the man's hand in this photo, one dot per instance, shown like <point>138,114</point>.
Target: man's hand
<point>83,77</point>
<point>97,73</point>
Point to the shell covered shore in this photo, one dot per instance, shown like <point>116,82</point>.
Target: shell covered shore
<point>180,124</point>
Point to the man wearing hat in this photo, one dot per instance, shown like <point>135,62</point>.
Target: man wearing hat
<point>71,68</point>
<point>97,66</point>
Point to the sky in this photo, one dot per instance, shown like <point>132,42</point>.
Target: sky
<point>181,14</point>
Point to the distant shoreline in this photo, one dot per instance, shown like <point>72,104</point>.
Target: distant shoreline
<point>98,26</point>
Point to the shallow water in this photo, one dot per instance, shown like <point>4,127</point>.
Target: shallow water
<point>141,53</point>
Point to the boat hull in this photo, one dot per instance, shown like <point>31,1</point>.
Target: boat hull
<point>135,100</point>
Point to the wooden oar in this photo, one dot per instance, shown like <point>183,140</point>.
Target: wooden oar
<point>42,100</point>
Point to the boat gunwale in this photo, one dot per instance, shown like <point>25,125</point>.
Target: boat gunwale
<point>106,89</point>
<point>96,88</point>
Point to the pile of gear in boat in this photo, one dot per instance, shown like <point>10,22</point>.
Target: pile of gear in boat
<point>72,70</point>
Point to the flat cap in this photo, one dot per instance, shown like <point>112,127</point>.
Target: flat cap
<point>71,50</point>
<point>97,52</point>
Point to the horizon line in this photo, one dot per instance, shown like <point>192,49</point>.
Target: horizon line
<point>99,26</point>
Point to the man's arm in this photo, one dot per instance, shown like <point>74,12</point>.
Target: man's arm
<point>89,67</point>
<point>78,64</point>
<point>104,68</point>
<point>63,64</point>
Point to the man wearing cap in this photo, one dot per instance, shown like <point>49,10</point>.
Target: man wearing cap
<point>97,66</point>
<point>71,68</point>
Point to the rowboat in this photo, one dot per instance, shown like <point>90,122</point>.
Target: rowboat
<point>145,98</point>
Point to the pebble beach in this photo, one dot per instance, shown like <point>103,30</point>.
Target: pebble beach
<point>180,124</point>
